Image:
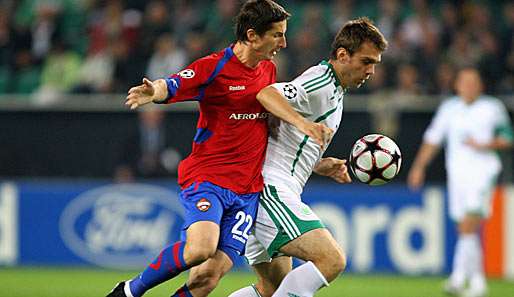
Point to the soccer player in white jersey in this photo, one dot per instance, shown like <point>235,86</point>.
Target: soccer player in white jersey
<point>474,127</point>
<point>285,226</point>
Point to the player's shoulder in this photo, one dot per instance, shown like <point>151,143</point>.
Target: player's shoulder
<point>267,65</point>
<point>212,58</point>
<point>315,71</point>
<point>490,101</point>
<point>450,103</point>
<point>317,78</point>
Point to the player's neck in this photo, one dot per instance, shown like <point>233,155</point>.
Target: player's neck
<point>245,55</point>
<point>338,72</point>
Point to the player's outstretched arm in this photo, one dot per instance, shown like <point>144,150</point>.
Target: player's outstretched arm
<point>333,168</point>
<point>147,92</point>
<point>416,176</point>
<point>275,103</point>
<point>498,143</point>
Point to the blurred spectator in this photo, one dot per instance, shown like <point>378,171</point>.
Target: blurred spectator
<point>389,19</point>
<point>462,51</point>
<point>167,58</point>
<point>196,45</point>
<point>44,27</point>
<point>59,74</point>
<point>341,12</point>
<point>449,23</point>
<point>444,80</point>
<point>96,73</point>
<point>489,63</point>
<point>309,42</point>
<point>146,152</point>
<point>6,49</point>
<point>385,104</point>
<point>219,23</point>
<point>156,21</point>
<point>420,26</point>
<point>26,75</point>
<point>187,18</point>
<point>420,32</point>
<point>127,66</point>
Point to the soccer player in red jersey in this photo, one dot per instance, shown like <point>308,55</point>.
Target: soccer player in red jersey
<point>221,179</point>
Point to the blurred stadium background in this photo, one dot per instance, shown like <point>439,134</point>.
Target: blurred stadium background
<point>77,169</point>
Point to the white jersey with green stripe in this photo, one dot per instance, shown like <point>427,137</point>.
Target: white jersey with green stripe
<point>456,122</point>
<point>291,155</point>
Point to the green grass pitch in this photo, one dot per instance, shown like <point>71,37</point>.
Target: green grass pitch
<point>67,282</point>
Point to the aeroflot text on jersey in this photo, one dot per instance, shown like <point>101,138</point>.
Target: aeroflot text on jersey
<point>249,116</point>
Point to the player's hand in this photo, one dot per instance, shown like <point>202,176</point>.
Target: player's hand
<point>416,178</point>
<point>334,168</point>
<point>474,144</point>
<point>320,133</point>
<point>140,95</point>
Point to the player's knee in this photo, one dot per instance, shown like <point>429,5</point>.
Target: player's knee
<point>337,263</point>
<point>267,287</point>
<point>198,254</point>
<point>332,264</point>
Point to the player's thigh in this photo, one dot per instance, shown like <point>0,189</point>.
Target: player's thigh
<point>470,197</point>
<point>271,274</point>
<point>314,245</point>
<point>206,276</point>
<point>202,239</point>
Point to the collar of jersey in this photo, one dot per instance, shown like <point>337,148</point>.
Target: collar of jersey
<point>326,63</point>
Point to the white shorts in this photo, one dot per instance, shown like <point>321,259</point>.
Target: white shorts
<point>281,217</point>
<point>470,195</point>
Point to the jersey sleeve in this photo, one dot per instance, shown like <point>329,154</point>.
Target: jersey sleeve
<point>189,84</point>
<point>296,95</point>
<point>503,127</point>
<point>438,128</point>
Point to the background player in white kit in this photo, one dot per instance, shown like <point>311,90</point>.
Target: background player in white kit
<point>474,127</point>
<point>285,225</point>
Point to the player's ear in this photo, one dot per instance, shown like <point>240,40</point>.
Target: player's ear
<point>252,35</point>
<point>343,55</point>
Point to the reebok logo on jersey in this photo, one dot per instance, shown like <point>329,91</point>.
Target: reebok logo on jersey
<point>203,204</point>
<point>187,73</point>
<point>236,88</point>
<point>249,116</point>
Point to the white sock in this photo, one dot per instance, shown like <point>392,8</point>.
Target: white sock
<point>303,281</point>
<point>458,275</point>
<point>475,268</point>
<point>249,291</point>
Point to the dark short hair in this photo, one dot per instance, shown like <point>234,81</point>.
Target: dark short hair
<point>354,33</point>
<point>258,15</point>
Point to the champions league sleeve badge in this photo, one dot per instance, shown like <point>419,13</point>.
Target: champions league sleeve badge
<point>290,91</point>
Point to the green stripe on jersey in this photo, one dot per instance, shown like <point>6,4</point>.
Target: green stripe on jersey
<point>316,78</point>
<point>298,153</point>
<point>325,82</point>
<point>306,138</point>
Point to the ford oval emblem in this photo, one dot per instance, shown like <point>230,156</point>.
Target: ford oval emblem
<point>121,226</point>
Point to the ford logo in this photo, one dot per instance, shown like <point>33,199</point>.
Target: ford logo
<point>121,226</point>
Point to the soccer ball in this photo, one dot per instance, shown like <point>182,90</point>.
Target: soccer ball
<point>375,159</point>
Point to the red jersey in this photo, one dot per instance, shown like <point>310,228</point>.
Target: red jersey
<point>231,138</point>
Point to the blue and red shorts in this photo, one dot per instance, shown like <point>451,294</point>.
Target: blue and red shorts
<point>235,214</point>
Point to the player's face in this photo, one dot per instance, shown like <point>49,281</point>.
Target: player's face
<point>468,84</point>
<point>271,42</point>
<point>359,67</point>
